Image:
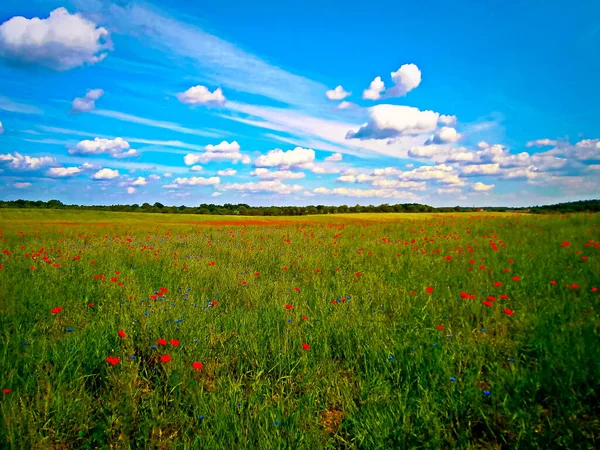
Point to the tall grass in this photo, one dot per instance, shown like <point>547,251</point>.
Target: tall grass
<point>389,365</point>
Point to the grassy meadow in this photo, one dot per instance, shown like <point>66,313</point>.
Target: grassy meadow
<point>149,331</point>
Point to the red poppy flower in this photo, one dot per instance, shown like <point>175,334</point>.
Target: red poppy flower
<point>472,261</point>
<point>306,318</point>
<point>174,342</point>
<point>575,286</point>
<point>165,358</point>
<point>429,289</point>
<point>516,278</point>
<point>504,296</point>
<point>306,347</point>
<point>464,295</point>
<point>288,306</point>
<point>122,334</point>
<point>440,327</point>
<point>511,261</point>
<point>285,268</point>
<point>594,289</point>
<point>211,264</point>
<point>297,289</point>
<point>113,279</point>
<point>497,283</point>
<point>56,310</point>
<point>486,303</point>
<point>6,391</point>
<point>412,292</point>
<point>113,360</point>
<point>161,341</point>
<point>506,269</point>
<point>91,305</point>
<point>357,274</point>
<point>552,281</point>
<point>510,312</point>
<point>256,274</point>
<point>197,365</point>
<point>214,303</point>
<point>117,272</point>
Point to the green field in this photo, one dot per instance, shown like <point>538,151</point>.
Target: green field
<point>402,351</point>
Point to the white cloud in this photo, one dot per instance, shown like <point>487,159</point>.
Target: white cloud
<point>224,146</point>
<point>364,193</point>
<point>405,79</point>
<point>542,143</point>
<point>140,181</point>
<point>106,174</point>
<point>373,92</point>
<point>262,186</point>
<point>131,190</point>
<point>334,158</point>
<point>167,175</point>
<point>482,187</point>
<point>61,172</point>
<point>117,148</point>
<point>390,121</point>
<point>346,105</point>
<point>443,136</point>
<point>17,161</point>
<point>200,95</point>
<point>216,194</point>
<point>442,173</point>
<point>449,121</point>
<point>483,145</point>
<point>224,151</point>
<point>451,190</point>
<point>266,174</point>
<point>226,172</point>
<point>297,158</point>
<point>481,169</point>
<point>22,185</point>
<point>87,102</point>
<point>194,181</point>
<point>337,94</point>
<point>62,41</point>
<point>1,128</point>
<point>196,168</point>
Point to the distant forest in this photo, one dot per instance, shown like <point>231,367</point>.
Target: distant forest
<point>247,210</point>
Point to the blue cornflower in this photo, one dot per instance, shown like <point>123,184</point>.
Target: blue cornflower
<point>70,330</point>
<point>452,379</point>
<point>487,392</point>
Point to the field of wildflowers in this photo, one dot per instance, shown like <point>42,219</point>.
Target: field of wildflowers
<point>384,331</point>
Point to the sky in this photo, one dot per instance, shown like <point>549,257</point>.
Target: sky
<point>444,103</point>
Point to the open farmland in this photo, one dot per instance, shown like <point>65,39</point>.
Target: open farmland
<point>356,331</point>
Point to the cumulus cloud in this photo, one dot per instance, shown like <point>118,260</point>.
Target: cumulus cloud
<point>131,190</point>
<point>117,148</point>
<point>62,41</point>
<point>201,95</point>
<point>87,102</point>
<point>391,121</point>
<point>449,121</point>
<point>364,193</point>
<point>405,79</point>
<point>140,181</point>
<point>63,172</point>
<point>334,158</point>
<point>373,92</point>
<point>346,105</point>
<point>296,158</point>
<point>441,173</point>
<point>106,174</point>
<point>21,185</point>
<point>482,187</point>
<point>196,168</point>
<point>224,151</point>
<point>337,94</point>
<point>194,181</point>
<point>266,174</point>
<point>481,169</point>
<point>275,186</point>
<point>167,175</point>
<point>226,172</point>
<point>154,177</point>
<point>444,135</point>
<point>17,161</point>
<point>542,143</point>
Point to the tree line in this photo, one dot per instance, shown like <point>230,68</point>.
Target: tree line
<point>247,210</point>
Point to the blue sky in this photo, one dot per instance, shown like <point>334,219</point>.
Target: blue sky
<point>443,103</point>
